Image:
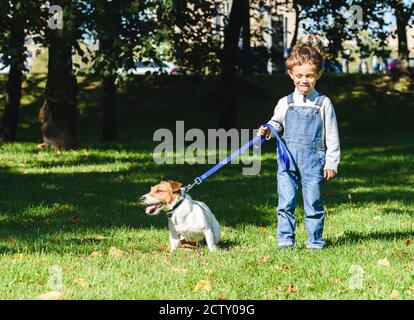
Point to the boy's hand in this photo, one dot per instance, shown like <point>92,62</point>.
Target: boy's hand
<point>328,174</point>
<point>263,131</point>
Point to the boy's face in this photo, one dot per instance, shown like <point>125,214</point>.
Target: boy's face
<point>304,77</point>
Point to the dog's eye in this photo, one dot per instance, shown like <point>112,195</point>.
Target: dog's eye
<point>158,191</point>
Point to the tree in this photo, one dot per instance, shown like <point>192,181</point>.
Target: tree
<point>16,17</point>
<point>403,12</point>
<point>189,34</point>
<point>237,21</point>
<point>374,12</point>
<point>125,31</point>
<point>58,115</point>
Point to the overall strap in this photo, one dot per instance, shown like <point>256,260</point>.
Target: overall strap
<point>290,100</point>
<point>319,102</point>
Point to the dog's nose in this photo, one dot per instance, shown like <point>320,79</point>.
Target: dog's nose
<point>142,199</point>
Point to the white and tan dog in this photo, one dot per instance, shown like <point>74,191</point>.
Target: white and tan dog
<point>187,219</point>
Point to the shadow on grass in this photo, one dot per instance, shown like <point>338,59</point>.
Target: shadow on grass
<point>350,237</point>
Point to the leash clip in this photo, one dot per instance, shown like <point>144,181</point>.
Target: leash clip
<point>191,185</point>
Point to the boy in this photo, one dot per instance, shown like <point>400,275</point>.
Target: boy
<point>311,136</point>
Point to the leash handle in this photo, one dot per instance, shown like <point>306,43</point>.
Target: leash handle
<point>282,151</point>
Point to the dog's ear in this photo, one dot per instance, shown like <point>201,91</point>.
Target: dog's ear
<point>175,186</point>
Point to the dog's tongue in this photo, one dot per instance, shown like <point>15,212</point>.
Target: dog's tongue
<point>151,209</point>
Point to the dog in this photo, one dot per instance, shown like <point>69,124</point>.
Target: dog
<point>188,219</point>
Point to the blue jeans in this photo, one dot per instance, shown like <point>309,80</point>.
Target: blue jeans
<point>308,172</point>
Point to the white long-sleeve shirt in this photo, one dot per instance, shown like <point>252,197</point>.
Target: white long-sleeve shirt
<point>330,133</point>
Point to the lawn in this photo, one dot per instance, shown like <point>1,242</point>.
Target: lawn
<point>71,227</point>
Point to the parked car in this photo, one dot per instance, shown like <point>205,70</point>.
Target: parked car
<point>145,67</point>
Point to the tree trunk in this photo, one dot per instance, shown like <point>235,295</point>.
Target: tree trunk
<point>402,21</point>
<point>8,129</point>
<point>109,48</point>
<point>228,111</point>
<point>246,38</point>
<point>109,129</point>
<point>295,33</point>
<point>59,113</point>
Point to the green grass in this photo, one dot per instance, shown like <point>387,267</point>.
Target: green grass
<point>57,208</point>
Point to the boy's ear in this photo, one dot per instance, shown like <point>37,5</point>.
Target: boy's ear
<point>290,74</point>
<point>319,75</point>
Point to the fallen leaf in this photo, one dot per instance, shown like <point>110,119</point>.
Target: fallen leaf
<point>41,145</point>
<point>292,288</point>
<point>223,298</point>
<point>115,252</point>
<point>95,254</point>
<point>407,242</point>
<point>263,259</point>
<point>203,285</point>
<point>82,282</point>
<point>74,218</point>
<point>52,295</point>
<point>336,280</point>
<point>383,262</point>
<point>394,294</point>
<point>178,270</point>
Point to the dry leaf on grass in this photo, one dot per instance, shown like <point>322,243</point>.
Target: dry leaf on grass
<point>52,295</point>
<point>407,242</point>
<point>82,282</point>
<point>263,259</point>
<point>115,252</point>
<point>292,289</point>
<point>95,254</point>
<point>394,294</point>
<point>203,285</point>
<point>74,218</point>
<point>178,270</point>
<point>223,298</point>
<point>383,262</point>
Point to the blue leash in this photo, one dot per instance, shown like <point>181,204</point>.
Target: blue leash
<point>281,151</point>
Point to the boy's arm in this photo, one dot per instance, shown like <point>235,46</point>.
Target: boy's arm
<point>277,119</point>
<point>333,150</point>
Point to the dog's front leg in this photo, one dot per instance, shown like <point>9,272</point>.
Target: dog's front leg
<point>174,240</point>
<point>210,239</point>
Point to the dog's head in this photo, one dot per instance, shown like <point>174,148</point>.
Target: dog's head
<point>160,196</point>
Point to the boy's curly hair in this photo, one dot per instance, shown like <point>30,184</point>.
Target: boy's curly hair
<point>302,54</point>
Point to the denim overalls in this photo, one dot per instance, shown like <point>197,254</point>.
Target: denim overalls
<point>303,137</point>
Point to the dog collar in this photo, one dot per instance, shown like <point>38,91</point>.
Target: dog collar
<point>170,212</point>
